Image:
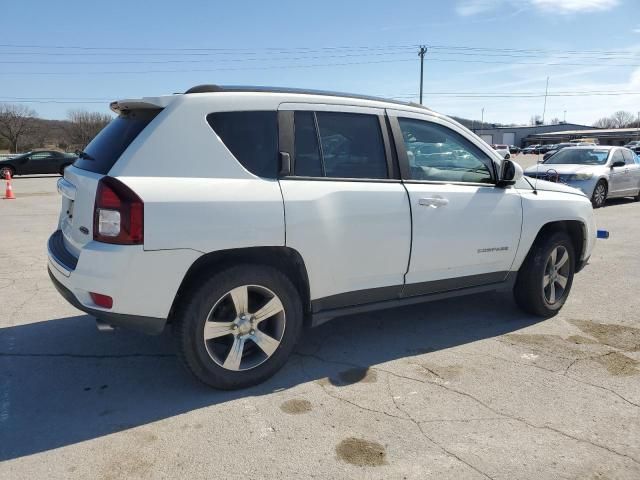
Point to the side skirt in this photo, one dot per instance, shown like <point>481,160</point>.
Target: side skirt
<point>323,316</point>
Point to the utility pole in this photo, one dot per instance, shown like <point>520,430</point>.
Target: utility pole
<point>546,92</point>
<point>421,53</point>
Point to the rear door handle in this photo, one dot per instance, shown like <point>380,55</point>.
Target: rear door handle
<point>433,202</point>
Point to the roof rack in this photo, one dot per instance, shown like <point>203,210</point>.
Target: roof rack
<point>210,88</point>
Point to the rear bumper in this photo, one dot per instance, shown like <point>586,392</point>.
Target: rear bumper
<point>148,325</point>
<point>143,284</point>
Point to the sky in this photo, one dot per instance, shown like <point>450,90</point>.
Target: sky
<point>494,55</point>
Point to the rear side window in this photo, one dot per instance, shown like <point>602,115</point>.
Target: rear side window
<point>252,137</point>
<point>628,156</point>
<point>113,140</point>
<point>344,145</point>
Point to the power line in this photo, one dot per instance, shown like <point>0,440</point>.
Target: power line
<point>97,100</point>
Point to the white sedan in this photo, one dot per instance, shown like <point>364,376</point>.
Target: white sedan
<point>600,172</point>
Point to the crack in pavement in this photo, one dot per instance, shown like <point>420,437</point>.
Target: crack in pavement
<point>468,395</point>
<point>424,434</point>
<point>514,417</point>
<point>559,373</point>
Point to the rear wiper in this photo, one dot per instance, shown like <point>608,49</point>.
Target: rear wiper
<point>83,155</point>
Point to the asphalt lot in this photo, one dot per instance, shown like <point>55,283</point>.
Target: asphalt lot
<point>464,388</point>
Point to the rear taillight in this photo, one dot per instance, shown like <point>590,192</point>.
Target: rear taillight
<point>118,215</point>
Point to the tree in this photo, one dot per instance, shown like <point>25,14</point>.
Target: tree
<point>535,120</point>
<point>555,121</point>
<point>16,122</point>
<point>604,122</point>
<point>83,126</point>
<point>622,119</point>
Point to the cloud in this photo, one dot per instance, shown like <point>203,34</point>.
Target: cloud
<point>575,6</point>
<point>467,8</point>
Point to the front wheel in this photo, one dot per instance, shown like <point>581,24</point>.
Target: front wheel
<point>239,326</point>
<point>599,195</point>
<point>545,278</point>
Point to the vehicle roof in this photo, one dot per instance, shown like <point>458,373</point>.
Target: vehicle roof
<point>591,147</point>
<point>288,94</point>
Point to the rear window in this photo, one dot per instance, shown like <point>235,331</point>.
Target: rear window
<point>252,137</point>
<point>113,140</point>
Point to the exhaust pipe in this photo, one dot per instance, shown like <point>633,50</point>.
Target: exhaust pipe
<point>104,326</point>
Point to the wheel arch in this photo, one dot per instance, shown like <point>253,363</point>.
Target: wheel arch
<point>285,259</point>
<point>576,230</point>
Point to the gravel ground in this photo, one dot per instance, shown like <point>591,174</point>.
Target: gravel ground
<point>464,388</point>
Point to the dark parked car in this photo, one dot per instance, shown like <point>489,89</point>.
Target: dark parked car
<point>513,149</point>
<point>44,161</point>
<point>530,149</point>
<point>556,148</point>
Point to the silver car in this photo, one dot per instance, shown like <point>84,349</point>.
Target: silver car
<point>601,172</point>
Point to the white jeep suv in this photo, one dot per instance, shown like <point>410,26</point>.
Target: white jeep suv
<point>242,215</point>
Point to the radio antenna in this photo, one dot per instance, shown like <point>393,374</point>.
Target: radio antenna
<point>544,111</point>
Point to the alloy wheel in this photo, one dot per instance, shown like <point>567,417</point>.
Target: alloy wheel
<point>244,328</point>
<point>556,275</point>
<point>599,194</point>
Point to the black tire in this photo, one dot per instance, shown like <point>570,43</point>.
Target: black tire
<point>596,200</point>
<point>193,312</point>
<point>529,291</point>
<point>637,197</point>
<point>4,170</point>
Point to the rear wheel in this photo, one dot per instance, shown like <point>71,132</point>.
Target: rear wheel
<point>239,327</point>
<point>599,194</point>
<point>545,278</point>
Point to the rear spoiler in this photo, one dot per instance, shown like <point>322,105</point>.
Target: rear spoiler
<point>153,103</point>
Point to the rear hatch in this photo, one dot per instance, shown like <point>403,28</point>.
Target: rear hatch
<point>80,182</point>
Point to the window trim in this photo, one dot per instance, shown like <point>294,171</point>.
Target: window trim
<point>403,158</point>
<point>390,159</point>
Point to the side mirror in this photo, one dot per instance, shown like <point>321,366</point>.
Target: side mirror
<point>510,173</point>
<point>619,163</point>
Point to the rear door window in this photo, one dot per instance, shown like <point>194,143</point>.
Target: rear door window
<point>252,138</point>
<point>628,157</point>
<point>339,145</point>
<point>105,149</point>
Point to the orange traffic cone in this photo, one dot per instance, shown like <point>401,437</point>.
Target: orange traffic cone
<point>8,195</point>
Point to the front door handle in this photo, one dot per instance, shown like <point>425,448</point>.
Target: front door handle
<point>433,202</point>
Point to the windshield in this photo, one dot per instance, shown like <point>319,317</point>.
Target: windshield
<point>579,156</point>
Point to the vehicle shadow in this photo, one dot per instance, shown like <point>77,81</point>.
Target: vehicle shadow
<point>63,382</point>
<point>612,202</point>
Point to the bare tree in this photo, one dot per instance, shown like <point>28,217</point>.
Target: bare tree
<point>604,122</point>
<point>83,126</point>
<point>622,118</point>
<point>535,120</point>
<point>16,121</point>
<point>555,121</point>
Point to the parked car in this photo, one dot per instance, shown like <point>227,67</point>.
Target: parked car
<point>542,149</point>
<point>531,149</point>
<point>556,148</point>
<point>290,208</point>
<point>503,150</point>
<point>633,144</point>
<point>513,149</point>
<point>600,172</point>
<point>39,162</point>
